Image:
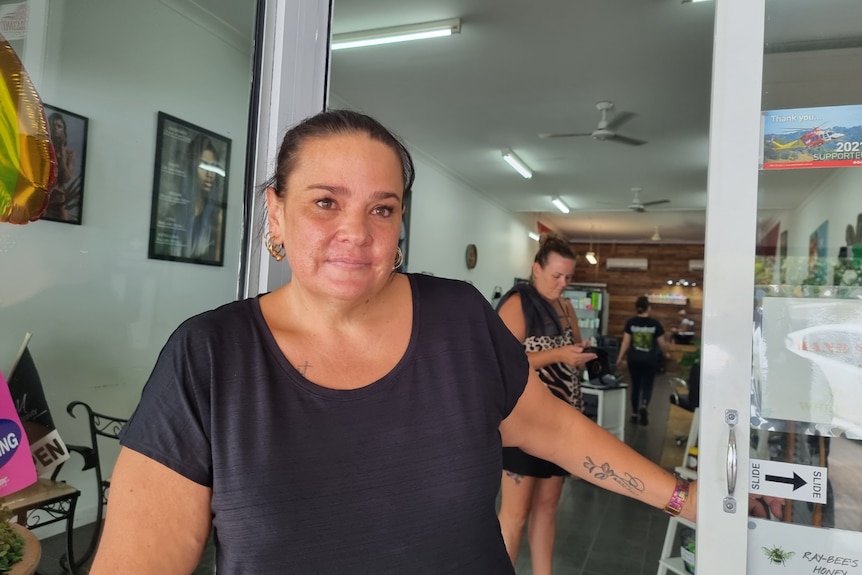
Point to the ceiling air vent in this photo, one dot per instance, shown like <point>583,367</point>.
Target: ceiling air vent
<point>627,263</point>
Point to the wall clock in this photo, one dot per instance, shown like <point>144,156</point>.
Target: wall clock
<point>472,256</point>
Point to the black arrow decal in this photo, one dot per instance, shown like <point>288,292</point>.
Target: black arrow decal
<point>795,481</point>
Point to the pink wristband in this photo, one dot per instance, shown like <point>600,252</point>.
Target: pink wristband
<point>678,498</point>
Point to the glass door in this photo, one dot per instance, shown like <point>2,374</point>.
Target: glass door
<point>806,396</point>
<point>781,416</point>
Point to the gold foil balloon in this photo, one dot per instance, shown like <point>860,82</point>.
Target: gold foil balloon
<point>28,167</point>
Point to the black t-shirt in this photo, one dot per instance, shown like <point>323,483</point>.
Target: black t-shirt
<point>644,332</point>
<point>396,477</point>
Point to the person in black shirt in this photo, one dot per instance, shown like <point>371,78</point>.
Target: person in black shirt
<point>352,420</point>
<point>642,347</point>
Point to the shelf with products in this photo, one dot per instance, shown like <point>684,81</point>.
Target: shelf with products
<point>590,303</point>
<point>678,551</point>
<point>668,298</point>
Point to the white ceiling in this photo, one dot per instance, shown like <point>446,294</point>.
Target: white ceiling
<point>517,70</point>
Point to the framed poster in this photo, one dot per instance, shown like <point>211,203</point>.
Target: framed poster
<point>69,137</point>
<point>189,193</point>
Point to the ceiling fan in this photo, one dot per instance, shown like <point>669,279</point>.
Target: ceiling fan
<point>638,206</point>
<point>606,130</point>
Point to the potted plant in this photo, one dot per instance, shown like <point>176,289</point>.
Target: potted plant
<point>11,542</point>
<point>688,358</point>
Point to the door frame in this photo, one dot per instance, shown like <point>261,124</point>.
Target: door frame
<point>293,74</point>
<point>731,217</point>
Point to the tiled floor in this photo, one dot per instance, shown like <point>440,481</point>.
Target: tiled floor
<point>598,533</point>
<point>602,533</point>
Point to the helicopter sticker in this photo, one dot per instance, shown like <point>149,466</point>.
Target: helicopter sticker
<point>813,138</point>
<point>826,137</point>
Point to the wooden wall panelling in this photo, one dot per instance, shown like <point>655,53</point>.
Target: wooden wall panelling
<point>666,262</point>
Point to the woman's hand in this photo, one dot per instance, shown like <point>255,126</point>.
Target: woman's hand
<point>574,355</point>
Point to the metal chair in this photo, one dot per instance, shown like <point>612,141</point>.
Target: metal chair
<point>100,425</point>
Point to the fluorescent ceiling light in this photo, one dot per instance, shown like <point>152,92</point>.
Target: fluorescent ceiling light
<point>534,236</point>
<point>693,1</point>
<point>513,160</point>
<point>210,168</point>
<point>392,34</point>
<point>560,205</point>
<point>591,257</point>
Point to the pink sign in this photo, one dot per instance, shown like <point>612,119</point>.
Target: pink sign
<point>17,469</point>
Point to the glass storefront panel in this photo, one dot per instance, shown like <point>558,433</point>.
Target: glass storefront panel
<point>146,229</point>
<point>806,410</point>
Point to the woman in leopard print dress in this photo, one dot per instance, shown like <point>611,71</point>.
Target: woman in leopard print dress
<point>546,323</point>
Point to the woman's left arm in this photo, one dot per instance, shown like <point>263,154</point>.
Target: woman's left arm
<point>548,428</point>
<point>576,328</point>
<point>624,348</point>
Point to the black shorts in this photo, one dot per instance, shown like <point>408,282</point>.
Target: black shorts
<point>521,463</point>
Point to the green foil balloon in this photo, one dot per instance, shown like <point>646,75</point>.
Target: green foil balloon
<point>28,167</point>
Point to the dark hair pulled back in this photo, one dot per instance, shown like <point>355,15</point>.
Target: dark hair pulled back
<point>642,304</point>
<point>332,123</point>
<point>553,243</point>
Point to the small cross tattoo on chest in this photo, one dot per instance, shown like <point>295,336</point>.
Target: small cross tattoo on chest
<point>303,369</point>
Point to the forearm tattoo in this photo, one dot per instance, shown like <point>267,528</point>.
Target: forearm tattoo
<point>602,472</point>
<point>517,478</point>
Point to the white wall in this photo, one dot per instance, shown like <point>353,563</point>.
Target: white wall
<point>99,310</point>
<point>447,215</point>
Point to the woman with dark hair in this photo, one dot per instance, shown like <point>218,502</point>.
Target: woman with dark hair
<point>66,190</point>
<point>546,324</point>
<point>642,347</point>
<point>350,421</point>
<point>199,222</point>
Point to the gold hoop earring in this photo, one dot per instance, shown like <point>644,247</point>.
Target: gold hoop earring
<point>274,249</point>
<point>399,258</point>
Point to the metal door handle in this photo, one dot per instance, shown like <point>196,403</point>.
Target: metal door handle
<point>731,417</point>
<point>731,462</point>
